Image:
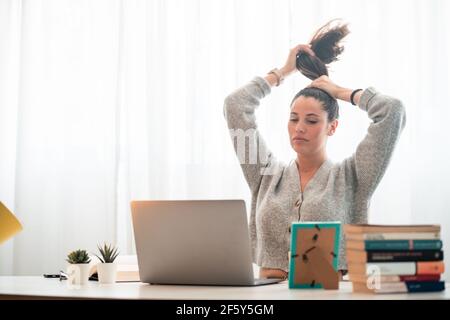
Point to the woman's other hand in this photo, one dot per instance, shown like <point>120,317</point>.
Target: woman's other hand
<point>334,90</point>
<point>327,85</point>
<point>291,62</point>
<point>268,273</point>
<point>290,65</point>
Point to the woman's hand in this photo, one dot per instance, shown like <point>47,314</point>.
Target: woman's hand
<point>327,85</point>
<point>334,90</point>
<point>267,273</point>
<point>291,62</point>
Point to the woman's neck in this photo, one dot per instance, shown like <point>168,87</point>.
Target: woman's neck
<point>310,163</point>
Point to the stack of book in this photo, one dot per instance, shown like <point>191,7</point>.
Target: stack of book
<point>394,259</point>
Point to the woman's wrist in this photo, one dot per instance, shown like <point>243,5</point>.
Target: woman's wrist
<point>271,79</point>
<point>274,78</point>
<point>286,72</point>
<point>345,95</point>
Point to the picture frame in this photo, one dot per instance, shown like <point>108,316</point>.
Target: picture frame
<point>314,255</point>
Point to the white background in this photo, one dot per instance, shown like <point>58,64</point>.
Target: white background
<point>103,102</point>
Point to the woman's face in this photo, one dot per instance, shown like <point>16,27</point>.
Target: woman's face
<point>308,126</point>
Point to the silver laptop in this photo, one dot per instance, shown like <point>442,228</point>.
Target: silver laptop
<point>199,242</point>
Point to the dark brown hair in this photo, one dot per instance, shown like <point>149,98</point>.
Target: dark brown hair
<point>326,46</point>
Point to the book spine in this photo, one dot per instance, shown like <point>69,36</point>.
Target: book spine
<point>405,256</point>
<point>402,287</point>
<point>404,268</point>
<point>389,279</point>
<point>425,286</point>
<point>357,228</point>
<point>394,236</point>
<point>436,267</point>
<point>390,245</point>
<point>422,277</point>
<point>391,268</point>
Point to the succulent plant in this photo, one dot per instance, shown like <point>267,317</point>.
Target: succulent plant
<point>108,253</point>
<point>78,256</point>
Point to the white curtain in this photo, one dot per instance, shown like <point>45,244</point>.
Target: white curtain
<point>103,102</point>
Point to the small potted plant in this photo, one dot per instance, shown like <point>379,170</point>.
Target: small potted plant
<point>79,266</point>
<point>107,269</point>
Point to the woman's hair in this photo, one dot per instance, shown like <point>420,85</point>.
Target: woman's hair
<point>329,103</point>
<point>326,46</point>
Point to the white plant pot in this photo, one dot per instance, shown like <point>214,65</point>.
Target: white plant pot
<point>79,273</point>
<point>107,272</point>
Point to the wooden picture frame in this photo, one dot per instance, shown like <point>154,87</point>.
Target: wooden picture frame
<point>314,255</point>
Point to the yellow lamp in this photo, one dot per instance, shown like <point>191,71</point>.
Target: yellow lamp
<point>9,225</point>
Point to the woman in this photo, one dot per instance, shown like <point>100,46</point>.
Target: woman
<point>311,188</point>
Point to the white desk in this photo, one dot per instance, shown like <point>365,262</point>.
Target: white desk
<point>40,287</point>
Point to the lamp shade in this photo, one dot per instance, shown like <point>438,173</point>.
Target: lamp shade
<point>9,225</point>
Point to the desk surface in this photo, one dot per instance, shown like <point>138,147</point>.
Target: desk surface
<point>40,287</point>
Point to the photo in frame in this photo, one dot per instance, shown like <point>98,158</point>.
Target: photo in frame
<point>314,255</point>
